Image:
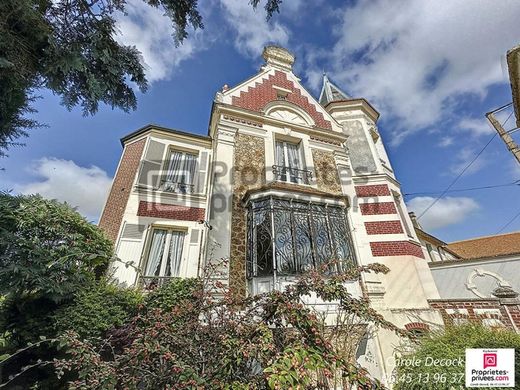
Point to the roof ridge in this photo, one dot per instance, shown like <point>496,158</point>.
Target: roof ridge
<point>483,237</point>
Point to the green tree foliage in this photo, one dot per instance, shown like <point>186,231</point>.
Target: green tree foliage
<point>68,46</point>
<point>269,340</point>
<point>450,344</point>
<point>47,250</point>
<point>96,309</point>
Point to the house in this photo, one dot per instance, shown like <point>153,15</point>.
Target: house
<point>477,279</point>
<point>281,183</point>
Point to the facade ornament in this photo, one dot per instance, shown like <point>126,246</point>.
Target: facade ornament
<point>219,97</point>
<point>471,286</point>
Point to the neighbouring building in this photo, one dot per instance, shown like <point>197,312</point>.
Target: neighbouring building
<point>282,182</point>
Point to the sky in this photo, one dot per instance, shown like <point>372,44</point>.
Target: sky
<point>431,68</point>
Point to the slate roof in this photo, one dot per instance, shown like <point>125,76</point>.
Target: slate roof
<point>330,92</point>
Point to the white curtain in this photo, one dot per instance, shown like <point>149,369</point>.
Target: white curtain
<point>190,161</point>
<point>174,167</point>
<point>280,160</point>
<point>153,266</point>
<point>173,266</point>
<point>293,152</point>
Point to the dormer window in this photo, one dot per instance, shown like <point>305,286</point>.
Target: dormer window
<point>180,172</point>
<point>290,164</point>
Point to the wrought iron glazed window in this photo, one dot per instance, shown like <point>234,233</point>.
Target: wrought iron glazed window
<point>287,237</point>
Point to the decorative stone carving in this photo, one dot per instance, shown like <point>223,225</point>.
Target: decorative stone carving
<point>326,171</point>
<point>479,272</point>
<point>288,116</point>
<point>278,57</point>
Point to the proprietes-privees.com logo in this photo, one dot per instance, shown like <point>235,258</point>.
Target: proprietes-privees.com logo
<point>490,367</point>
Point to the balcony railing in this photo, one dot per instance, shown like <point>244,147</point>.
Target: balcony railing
<point>152,282</point>
<point>179,188</point>
<point>292,175</point>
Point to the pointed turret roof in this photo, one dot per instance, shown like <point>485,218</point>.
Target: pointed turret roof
<point>330,92</point>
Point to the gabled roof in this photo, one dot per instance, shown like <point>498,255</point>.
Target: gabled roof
<point>487,247</point>
<point>330,92</point>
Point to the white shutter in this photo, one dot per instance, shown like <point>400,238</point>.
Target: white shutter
<point>150,172</point>
<point>200,185</point>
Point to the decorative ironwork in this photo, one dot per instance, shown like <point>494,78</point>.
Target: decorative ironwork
<point>292,175</point>
<point>304,235</point>
<point>152,282</point>
<point>181,188</point>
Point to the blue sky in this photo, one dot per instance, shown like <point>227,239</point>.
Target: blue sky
<point>433,69</point>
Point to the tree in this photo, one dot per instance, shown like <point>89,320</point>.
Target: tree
<point>47,249</point>
<point>68,46</point>
<point>449,344</point>
<point>270,340</point>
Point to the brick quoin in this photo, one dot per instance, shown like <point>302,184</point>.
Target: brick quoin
<point>396,248</point>
<point>112,215</point>
<point>372,190</point>
<point>384,227</point>
<point>169,211</point>
<point>255,98</point>
<point>378,208</point>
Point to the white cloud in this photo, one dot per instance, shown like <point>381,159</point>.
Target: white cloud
<point>464,158</point>
<point>447,211</point>
<point>148,29</point>
<point>414,58</point>
<point>476,127</point>
<point>252,30</point>
<point>445,142</point>
<point>81,187</point>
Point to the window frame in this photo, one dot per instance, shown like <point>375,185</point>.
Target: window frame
<point>180,187</point>
<point>166,249</point>
<point>281,171</point>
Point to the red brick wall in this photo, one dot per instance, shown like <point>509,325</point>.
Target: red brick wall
<point>384,227</point>
<point>169,211</point>
<point>372,190</point>
<point>112,215</point>
<point>256,98</point>
<point>378,208</point>
<point>396,248</point>
<point>471,305</point>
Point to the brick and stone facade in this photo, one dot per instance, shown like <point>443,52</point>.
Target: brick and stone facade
<point>112,215</point>
<point>249,173</point>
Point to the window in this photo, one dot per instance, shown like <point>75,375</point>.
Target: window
<point>180,173</point>
<point>429,248</point>
<point>164,255</point>
<point>305,235</point>
<point>290,163</point>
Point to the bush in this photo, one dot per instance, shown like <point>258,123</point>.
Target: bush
<point>47,249</point>
<point>452,344</point>
<point>97,309</point>
<point>172,293</point>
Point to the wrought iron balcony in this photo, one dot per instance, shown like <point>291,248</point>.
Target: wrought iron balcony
<point>292,175</point>
<point>152,282</point>
<point>179,188</point>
